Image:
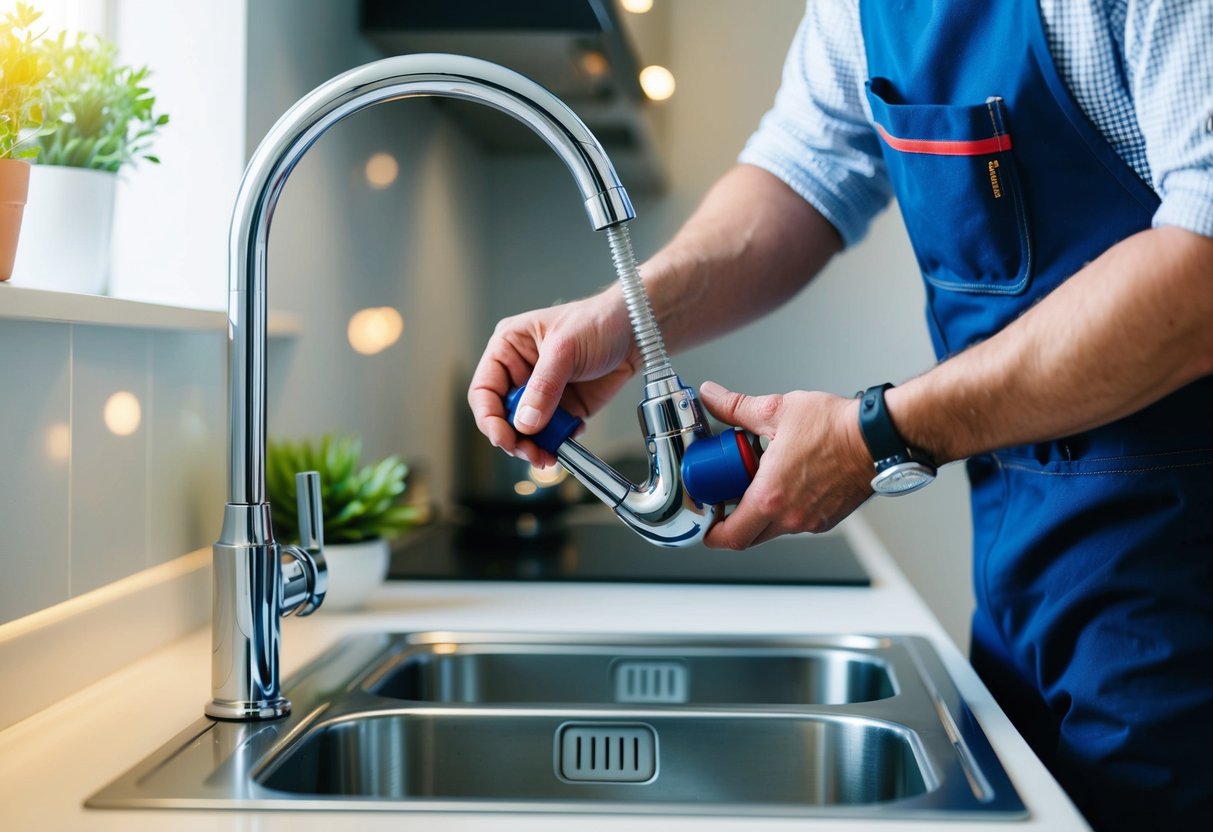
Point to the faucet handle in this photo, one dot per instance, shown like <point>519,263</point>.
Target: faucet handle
<point>311,511</point>
<point>304,572</point>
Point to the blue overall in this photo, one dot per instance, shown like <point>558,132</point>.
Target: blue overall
<point>1093,554</point>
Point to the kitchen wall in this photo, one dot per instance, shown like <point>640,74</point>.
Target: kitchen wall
<point>108,460</point>
<point>860,323</point>
<point>83,504</point>
<point>339,245</point>
<point>180,256</point>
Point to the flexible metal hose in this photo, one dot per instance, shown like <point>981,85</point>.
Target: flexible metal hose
<point>640,311</point>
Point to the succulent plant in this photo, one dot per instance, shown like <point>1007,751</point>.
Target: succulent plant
<point>359,502</point>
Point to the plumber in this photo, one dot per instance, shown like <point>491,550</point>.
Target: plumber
<point>1054,165</point>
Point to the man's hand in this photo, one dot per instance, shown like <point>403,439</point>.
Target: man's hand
<point>587,342</point>
<point>815,471</point>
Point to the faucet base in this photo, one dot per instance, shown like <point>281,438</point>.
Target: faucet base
<point>243,711</point>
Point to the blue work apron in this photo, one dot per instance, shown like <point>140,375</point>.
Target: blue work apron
<point>1093,554</point>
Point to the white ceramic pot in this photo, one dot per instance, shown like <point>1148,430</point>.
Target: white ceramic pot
<point>66,231</point>
<point>355,570</point>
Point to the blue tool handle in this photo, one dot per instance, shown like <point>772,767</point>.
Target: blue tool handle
<point>720,468</point>
<point>561,426</point>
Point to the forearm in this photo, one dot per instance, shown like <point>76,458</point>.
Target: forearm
<point>750,245</point>
<point>1128,329</point>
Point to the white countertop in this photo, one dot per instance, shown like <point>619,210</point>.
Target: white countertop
<point>51,762</point>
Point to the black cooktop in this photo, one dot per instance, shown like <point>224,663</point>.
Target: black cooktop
<point>610,552</point>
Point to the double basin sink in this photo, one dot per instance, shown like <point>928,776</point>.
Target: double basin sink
<point>853,726</point>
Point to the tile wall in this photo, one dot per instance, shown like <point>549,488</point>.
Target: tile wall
<point>111,458</point>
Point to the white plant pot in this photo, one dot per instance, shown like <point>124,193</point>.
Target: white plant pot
<point>66,231</point>
<point>355,570</point>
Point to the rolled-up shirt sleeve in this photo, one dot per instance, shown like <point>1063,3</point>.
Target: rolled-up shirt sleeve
<point>817,138</point>
<point>1169,58</point>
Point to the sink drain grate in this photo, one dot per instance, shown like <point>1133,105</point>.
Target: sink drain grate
<point>651,682</point>
<point>606,753</point>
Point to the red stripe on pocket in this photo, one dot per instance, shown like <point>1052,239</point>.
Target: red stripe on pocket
<point>979,147</point>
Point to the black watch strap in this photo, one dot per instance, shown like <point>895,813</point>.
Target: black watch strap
<point>884,443</point>
<point>877,428</point>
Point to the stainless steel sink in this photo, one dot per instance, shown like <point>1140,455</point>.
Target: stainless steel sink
<point>635,674</point>
<point>840,726</point>
<point>652,758</point>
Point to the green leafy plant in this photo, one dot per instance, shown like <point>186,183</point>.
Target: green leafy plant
<point>23,68</point>
<point>360,502</point>
<point>103,112</point>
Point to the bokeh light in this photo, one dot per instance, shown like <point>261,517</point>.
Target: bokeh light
<point>381,170</point>
<point>123,413</point>
<point>545,477</point>
<point>657,82</point>
<point>375,329</point>
<point>59,442</point>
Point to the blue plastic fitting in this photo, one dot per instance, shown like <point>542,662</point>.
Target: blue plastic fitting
<point>561,426</point>
<point>718,469</point>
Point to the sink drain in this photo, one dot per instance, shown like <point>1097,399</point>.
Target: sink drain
<point>651,682</point>
<point>606,753</point>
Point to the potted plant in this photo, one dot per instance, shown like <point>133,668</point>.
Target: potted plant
<point>361,504</point>
<point>104,119</point>
<point>23,67</point>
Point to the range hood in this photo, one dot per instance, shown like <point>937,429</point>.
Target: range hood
<point>578,49</point>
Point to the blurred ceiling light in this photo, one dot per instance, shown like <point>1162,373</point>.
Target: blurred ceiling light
<point>525,488</point>
<point>636,6</point>
<point>544,477</point>
<point>657,82</point>
<point>122,413</point>
<point>593,63</point>
<point>381,170</point>
<point>59,442</point>
<point>375,329</point>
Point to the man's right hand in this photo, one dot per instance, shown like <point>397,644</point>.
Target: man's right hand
<point>576,355</point>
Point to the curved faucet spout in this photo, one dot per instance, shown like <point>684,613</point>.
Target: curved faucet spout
<point>405,76</point>
<point>253,585</point>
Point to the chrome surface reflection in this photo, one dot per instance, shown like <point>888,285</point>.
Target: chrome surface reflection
<point>840,726</point>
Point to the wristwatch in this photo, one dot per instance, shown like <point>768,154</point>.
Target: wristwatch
<point>899,468</point>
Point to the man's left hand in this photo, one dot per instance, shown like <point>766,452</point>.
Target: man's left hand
<point>815,471</point>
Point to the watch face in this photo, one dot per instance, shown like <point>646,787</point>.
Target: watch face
<point>902,478</point>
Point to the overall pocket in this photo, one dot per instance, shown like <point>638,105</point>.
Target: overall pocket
<point>952,169</point>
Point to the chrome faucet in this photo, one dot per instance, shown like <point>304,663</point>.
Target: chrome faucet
<point>255,580</point>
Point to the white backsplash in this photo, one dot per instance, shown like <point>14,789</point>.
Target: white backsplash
<point>109,470</point>
<point>35,411</point>
<point>83,505</point>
